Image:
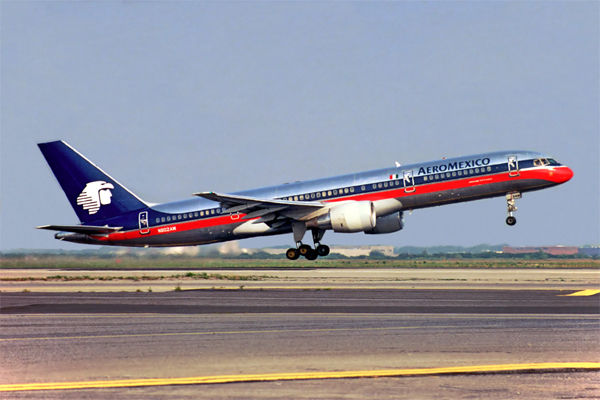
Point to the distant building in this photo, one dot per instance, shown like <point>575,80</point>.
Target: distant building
<point>590,251</point>
<point>554,250</point>
<point>355,251</point>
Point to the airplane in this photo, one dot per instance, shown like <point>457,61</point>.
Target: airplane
<point>372,202</point>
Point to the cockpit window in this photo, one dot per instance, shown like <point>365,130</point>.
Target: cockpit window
<point>540,162</point>
<point>552,161</point>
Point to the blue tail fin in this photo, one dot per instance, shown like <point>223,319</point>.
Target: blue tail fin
<point>93,194</point>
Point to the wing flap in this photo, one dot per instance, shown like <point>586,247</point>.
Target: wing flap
<point>256,207</point>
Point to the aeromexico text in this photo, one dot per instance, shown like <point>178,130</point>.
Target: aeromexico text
<point>454,166</point>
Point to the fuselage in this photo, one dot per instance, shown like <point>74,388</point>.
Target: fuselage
<point>391,190</point>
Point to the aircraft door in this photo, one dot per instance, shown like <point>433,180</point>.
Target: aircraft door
<point>409,181</point>
<point>144,225</point>
<point>513,166</point>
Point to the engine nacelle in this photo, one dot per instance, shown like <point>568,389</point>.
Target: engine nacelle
<point>388,224</point>
<point>351,217</point>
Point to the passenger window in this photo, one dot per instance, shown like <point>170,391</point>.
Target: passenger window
<point>295,198</point>
<point>459,173</point>
<point>168,218</point>
<point>162,219</point>
<point>184,216</point>
<point>352,189</point>
<point>447,174</point>
<point>318,195</point>
<point>346,190</point>
<point>476,170</point>
<point>179,216</point>
<point>335,192</point>
<point>157,220</point>
<point>454,174</point>
<point>363,188</point>
<point>471,171</point>
<point>301,197</point>
<point>425,178</point>
<point>323,194</point>
<point>489,169</point>
<point>374,186</point>
<point>379,185</point>
<point>385,184</point>
<point>329,193</point>
<point>212,212</point>
<point>437,176</point>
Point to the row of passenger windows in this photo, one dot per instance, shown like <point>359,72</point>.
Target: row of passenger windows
<point>318,195</point>
<point>180,217</point>
<point>334,192</point>
<point>456,173</point>
<point>382,185</point>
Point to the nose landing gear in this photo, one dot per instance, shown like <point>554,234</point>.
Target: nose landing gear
<point>510,200</point>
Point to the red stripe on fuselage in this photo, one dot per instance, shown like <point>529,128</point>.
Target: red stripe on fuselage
<point>556,175</point>
<point>548,174</point>
<point>173,228</point>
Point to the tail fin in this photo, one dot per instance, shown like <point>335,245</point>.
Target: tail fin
<point>93,194</point>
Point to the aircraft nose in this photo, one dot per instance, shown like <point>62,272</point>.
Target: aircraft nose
<point>562,174</point>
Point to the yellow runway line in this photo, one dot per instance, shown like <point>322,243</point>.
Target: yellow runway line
<point>551,367</point>
<point>588,292</point>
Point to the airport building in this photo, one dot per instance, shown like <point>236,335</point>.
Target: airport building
<point>554,250</point>
<point>590,251</point>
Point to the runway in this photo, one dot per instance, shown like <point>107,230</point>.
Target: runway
<point>86,337</point>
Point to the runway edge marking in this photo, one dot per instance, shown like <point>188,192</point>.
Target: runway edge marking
<point>550,367</point>
<point>587,292</point>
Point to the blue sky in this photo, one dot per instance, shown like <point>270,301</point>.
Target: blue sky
<point>172,98</point>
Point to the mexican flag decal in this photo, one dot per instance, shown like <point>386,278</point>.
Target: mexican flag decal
<point>394,176</point>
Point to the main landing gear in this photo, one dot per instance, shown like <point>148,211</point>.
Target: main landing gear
<point>305,250</point>
<point>510,200</point>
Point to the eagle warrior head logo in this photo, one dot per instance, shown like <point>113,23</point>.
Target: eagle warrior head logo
<point>94,195</point>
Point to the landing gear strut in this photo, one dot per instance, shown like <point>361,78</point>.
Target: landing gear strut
<point>510,200</point>
<point>305,250</point>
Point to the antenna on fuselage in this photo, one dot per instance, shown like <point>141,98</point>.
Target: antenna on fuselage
<point>398,165</point>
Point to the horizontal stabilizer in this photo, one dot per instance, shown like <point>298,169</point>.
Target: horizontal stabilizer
<point>87,230</point>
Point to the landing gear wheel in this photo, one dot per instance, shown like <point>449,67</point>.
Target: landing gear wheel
<point>311,255</point>
<point>511,220</point>
<point>292,254</point>
<point>304,249</point>
<point>323,250</point>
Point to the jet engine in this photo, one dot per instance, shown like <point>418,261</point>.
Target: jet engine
<point>388,224</point>
<point>358,216</point>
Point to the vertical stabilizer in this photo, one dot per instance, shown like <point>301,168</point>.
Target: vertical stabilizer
<point>93,194</point>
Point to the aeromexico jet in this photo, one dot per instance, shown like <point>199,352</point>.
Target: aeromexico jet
<point>372,202</point>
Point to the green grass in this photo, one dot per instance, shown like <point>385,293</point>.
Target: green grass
<point>188,276</point>
<point>187,264</point>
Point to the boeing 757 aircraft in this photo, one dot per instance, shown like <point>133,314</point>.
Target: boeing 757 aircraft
<point>372,202</point>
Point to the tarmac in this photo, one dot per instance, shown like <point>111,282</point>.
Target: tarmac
<point>357,334</point>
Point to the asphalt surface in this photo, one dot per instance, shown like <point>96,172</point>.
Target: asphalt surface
<point>305,301</point>
<point>73,337</point>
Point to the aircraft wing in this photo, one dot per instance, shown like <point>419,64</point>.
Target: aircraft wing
<point>85,229</point>
<point>267,209</point>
